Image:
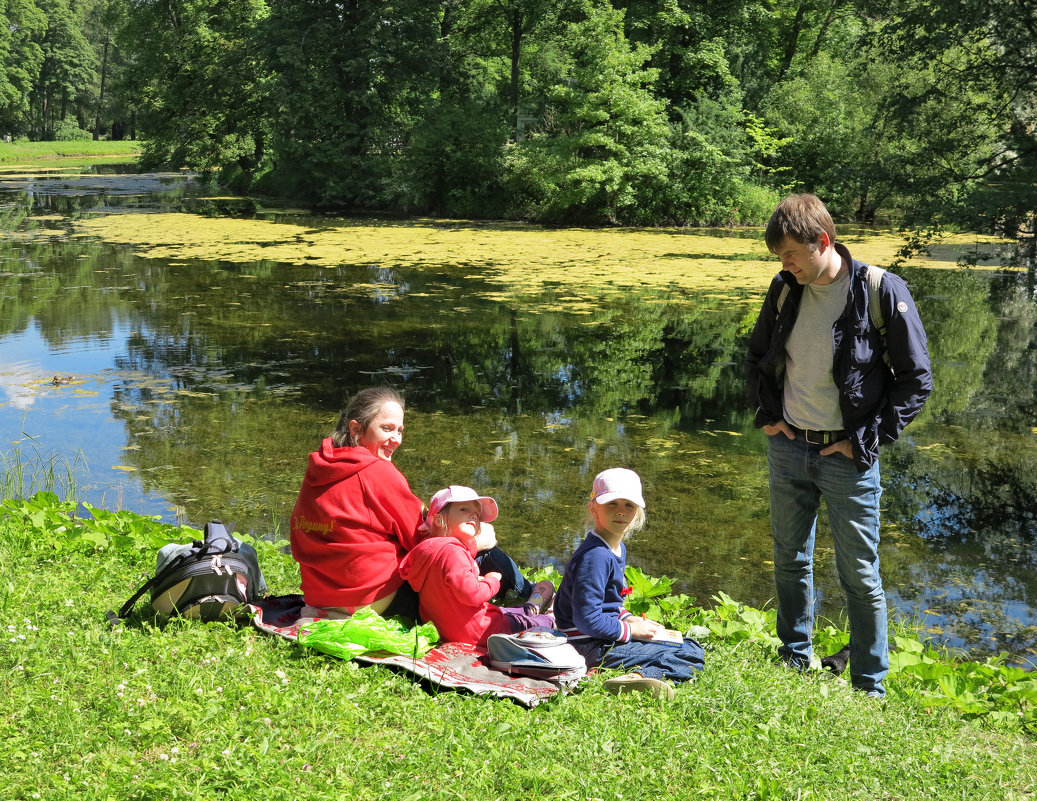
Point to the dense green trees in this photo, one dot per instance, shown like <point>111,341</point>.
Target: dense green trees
<point>22,26</point>
<point>202,86</point>
<point>60,70</point>
<point>982,55</point>
<point>599,153</point>
<point>570,111</point>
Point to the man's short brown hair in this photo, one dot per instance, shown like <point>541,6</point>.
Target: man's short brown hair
<point>802,217</point>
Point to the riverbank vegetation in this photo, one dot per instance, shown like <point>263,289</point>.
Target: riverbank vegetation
<point>576,112</point>
<point>188,710</point>
<point>24,151</point>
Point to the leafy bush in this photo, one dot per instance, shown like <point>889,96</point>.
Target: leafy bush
<point>68,131</point>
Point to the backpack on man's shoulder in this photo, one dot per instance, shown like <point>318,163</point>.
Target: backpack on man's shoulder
<point>206,579</point>
<point>874,305</point>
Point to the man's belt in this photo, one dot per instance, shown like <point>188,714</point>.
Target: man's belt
<point>818,437</point>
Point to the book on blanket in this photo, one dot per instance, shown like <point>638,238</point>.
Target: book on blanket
<point>668,637</point>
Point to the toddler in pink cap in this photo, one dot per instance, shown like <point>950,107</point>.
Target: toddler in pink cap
<point>442,570</point>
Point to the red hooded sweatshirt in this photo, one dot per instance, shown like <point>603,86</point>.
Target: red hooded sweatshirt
<point>354,519</point>
<point>451,593</point>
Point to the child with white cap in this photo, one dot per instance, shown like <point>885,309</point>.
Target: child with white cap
<point>589,603</point>
<point>442,569</point>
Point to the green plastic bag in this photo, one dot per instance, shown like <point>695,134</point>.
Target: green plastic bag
<point>368,631</point>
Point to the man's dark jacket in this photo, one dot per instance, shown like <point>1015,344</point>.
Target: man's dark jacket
<point>877,401</point>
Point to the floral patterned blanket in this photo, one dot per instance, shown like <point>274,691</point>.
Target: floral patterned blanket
<point>452,665</point>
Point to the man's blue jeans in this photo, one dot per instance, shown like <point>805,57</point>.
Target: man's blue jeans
<point>799,478</point>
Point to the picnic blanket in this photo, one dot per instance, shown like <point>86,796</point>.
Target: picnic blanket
<point>453,665</point>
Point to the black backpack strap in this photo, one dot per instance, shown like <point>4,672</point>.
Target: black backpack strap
<point>115,619</point>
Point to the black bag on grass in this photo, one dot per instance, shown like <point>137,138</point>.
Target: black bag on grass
<point>206,579</point>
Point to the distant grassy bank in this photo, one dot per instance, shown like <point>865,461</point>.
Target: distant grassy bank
<point>17,152</point>
<point>188,710</point>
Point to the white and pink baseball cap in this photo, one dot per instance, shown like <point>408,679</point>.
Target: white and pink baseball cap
<point>617,482</point>
<point>455,493</point>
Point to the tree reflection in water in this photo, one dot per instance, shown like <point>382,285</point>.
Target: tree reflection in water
<point>208,381</point>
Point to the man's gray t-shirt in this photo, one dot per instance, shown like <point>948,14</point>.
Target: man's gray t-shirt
<point>810,395</point>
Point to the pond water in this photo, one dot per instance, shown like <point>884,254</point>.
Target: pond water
<point>179,354</point>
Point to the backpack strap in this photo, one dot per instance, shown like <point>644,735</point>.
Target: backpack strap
<point>218,540</point>
<point>174,564</point>
<point>875,308</point>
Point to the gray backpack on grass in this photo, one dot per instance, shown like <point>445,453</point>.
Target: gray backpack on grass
<point>206,579</point>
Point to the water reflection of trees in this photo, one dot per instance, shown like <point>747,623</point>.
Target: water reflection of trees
<point>234,371</point>
<point>62,288</point>
<point>977,476</point>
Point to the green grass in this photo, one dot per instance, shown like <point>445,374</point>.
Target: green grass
<point>31,152</point>
<point>29,468</point>
<point>221,711</point>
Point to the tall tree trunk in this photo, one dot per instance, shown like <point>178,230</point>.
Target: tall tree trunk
<point>824,28</point>
<point>792,42</point>
<point>100,93</point>
<point>516,53</point>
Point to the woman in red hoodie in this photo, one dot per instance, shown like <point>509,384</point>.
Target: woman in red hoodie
<point>356,516</point>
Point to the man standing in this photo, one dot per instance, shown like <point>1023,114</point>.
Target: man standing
<point>829,387</point>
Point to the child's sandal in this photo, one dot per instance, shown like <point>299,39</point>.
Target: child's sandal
<point>635,682</point>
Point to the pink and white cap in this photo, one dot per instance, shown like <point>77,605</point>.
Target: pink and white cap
<point>455,493</point>
<point>617,482</point>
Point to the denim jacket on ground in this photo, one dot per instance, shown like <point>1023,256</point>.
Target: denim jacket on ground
<point>876,401</point>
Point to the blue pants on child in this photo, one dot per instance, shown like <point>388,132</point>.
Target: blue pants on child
<point>496,560</point>
<point>650,659</point>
